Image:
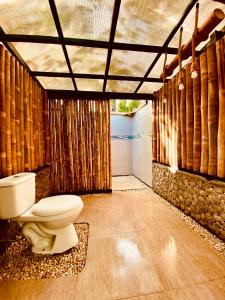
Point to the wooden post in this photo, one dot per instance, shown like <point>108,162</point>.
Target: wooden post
<point>17,103</point>
<point>3,135</point>
<point>8,115</point>
<point>183,124</point>
<point>212,108</point>
<point>204,114</point>
<point>178,127</point>
<point>21,113</point>
<point>154,137</point>
<point>220,51</point>
<point>166,157</point>
<point>170,121</point>
<point>197,120</point>
<point>174,125</point>
<point>189,117</point>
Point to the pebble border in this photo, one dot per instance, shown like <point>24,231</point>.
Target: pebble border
<point>23,264</point>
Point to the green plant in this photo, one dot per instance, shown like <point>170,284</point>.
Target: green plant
<point>133,105</point>
<point>122,106</point>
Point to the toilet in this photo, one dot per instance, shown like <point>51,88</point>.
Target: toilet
<point>48,224</point>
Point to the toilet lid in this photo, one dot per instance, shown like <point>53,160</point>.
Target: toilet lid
<point>57,205</point>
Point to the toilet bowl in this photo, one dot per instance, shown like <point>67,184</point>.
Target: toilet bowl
<point>48,224</point>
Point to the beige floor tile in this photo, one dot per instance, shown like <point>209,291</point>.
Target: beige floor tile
<point>141,262</point>
<point>214,290</point>
<point>43,289</point>
<point>121,183</point>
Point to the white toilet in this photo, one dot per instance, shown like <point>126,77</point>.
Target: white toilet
<point>48,224</point>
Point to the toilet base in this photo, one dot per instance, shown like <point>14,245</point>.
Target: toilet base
<point>50,241</point>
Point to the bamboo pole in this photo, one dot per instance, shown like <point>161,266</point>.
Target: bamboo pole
<point>197,120</point>
<point>220,54</point>
<point>189,117</point>
<point>202,35</point>
<point>26,123</point>
<point>21,115</point>
<point>109,145</point>
<point>36,126</point>
<point>183,123</point>
<point>212,109</point>
<point>166,127</point>
<point>157,127</point>
<point>8,115</point>
<point>174,125</point>
<point>3,135</point>
<point>178,127</point>
<point>47,131</point>
<point>154,137</point>
<point>169,101</point>
<point>204,113</point>
<point>17,104</point>
<point>13,114</point>
<point>30,103</point>
<point>161,124</point>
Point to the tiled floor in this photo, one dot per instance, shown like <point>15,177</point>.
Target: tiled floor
<point>138,249</point>
<point>122,183</point>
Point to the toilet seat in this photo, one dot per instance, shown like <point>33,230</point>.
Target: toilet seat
<point>49,211</point>
<point>55,205</point>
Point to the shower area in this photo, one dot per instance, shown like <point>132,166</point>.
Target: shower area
<point>131,144</point>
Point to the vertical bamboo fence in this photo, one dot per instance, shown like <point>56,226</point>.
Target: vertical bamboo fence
<point>22,109</point>
<point>80,145</point>
<point>191,126</point>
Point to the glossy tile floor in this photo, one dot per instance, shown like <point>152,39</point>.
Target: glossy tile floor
<point>138,249</point>
<point>130,182</point>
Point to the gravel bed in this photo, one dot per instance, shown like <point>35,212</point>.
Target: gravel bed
<point>217,243</point>
<point>23,264</point>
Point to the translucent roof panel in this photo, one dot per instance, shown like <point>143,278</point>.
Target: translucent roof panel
<point>121,86</point>
<point>130,63</point>
<point>150,87</point>
<point>56,83</point>
<point>158,68</point>
<point>87,60</point>
<point>27,17</point>
<point>148,21</point>
<point>206,7</point>
<point>43,57</point>
<point>84,84</point>
<point>86,19</point>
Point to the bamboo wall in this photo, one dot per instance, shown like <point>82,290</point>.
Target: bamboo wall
<point>24,121</point>
<point>80,145</point>
<point>189,130</point>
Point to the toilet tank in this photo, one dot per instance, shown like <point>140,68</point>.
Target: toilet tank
<point>17,194</point>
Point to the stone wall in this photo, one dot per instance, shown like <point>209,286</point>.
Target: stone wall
<point>42,181</point>
<point>198,197</point>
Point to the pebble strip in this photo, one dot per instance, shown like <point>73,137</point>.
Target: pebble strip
<point>23,264</point>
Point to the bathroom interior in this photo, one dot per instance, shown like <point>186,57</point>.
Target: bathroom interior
<point>100,202</point>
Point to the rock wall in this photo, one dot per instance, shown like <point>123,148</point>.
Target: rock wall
<point>42,180</point>
<point>198,197</point>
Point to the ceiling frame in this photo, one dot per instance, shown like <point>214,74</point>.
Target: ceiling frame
<point>115,17</point>
<point>61,38</point>
<point>94,76</point>
<point>42,39</point>
<point>110,45</point>
<point>168,40</point>
<point>70,94</point>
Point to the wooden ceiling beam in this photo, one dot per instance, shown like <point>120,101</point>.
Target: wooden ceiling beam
<point>89,95</point>
<point>42,39</point>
